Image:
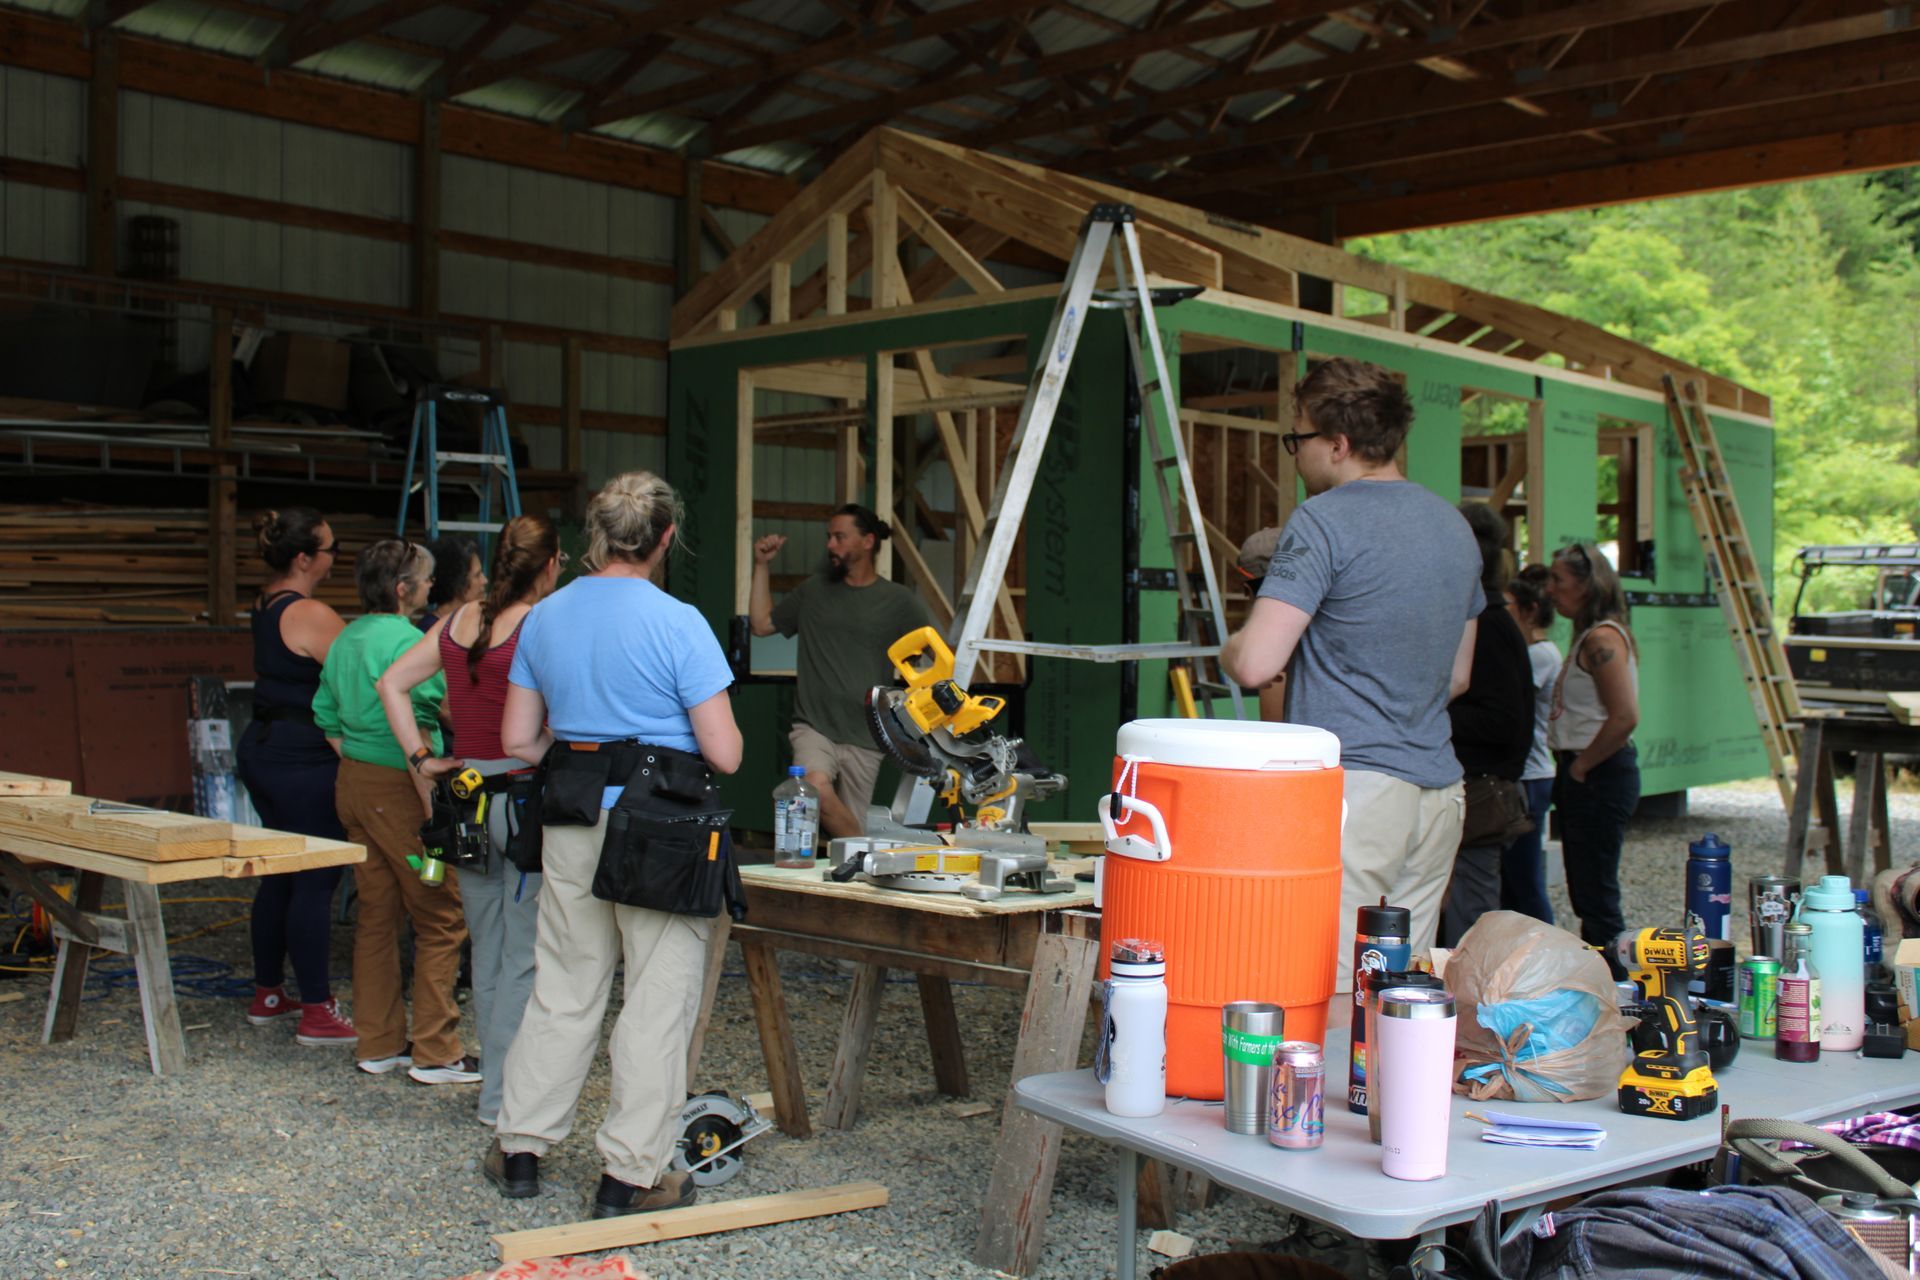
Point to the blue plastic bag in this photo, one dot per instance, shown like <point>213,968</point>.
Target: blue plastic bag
<point>1538,1016</point>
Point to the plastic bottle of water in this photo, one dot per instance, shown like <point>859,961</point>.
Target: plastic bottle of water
<point>1874,935</point>
<point>796,820</point>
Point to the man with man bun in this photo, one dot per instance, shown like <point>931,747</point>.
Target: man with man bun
<point>845,615</point>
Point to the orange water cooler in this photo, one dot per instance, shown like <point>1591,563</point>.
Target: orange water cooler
<point>1223,842</point>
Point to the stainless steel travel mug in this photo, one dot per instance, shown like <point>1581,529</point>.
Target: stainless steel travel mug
<point>1250,1031</point>
<point>1769,907</point>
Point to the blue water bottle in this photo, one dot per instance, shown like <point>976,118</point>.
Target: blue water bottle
<point>1874,935</point>
<point>1710,885</point>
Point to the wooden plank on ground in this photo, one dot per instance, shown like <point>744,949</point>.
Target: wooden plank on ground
<point>152,834</point>
<point>26,784</point>
<point>694,1220</point>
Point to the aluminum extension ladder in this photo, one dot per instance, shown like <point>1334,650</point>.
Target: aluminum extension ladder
<point>1202,617</point>
<point>490,468</point>
<point>1737,581</point>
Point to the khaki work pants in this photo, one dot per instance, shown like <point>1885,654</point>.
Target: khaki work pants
<point>1399,841</point>
<point>381,810</point>
<point>576,945</point>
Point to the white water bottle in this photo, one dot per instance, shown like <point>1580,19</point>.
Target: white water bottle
<point>1132,1061</point>
<point>796,820</point>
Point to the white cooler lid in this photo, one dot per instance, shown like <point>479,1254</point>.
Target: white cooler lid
<point>1228,744</point>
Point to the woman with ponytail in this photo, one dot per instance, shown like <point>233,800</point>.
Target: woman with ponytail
<point>474,646</point>
<point>289,771</point>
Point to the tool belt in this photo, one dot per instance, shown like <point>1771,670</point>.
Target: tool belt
<point>667,846</point>
<point>520,791</point>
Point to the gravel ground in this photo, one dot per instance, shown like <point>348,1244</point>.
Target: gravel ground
<point>273,1160</point>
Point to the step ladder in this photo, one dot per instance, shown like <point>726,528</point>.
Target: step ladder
<point>478,473</point>
<point>1203,621</point>
<point>1737,580</point>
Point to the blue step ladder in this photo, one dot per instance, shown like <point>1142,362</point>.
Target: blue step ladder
<point>478,473</point>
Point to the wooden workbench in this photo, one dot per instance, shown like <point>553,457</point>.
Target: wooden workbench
<point>1046,944</point>
<point>1870,736</point>
<point>82,930</point>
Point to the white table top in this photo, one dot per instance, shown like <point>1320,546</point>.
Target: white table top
<point>1340,1183</point>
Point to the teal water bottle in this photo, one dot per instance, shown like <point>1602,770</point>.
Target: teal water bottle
<point>1839,945</point>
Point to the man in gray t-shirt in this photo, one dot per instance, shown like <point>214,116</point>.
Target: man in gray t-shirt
<point>846,617</point>
<point>1372,595</point>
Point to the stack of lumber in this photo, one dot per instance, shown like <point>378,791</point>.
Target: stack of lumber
<point>68,564</point>
<point>153,845</point>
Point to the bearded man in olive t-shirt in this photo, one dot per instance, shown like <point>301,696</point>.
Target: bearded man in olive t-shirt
<point>846,616</point>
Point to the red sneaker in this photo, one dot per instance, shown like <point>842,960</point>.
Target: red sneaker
<point>270,1004</point>
<point>323,1024</point>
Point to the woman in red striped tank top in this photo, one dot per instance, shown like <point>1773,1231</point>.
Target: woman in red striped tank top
<point>474,646</point>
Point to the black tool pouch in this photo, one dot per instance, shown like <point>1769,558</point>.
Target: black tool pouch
<point>576,781</point>
<point>524,800</point>
<point>667,847</point>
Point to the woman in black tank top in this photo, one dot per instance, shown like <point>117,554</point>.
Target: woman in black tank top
<point>288,769</point>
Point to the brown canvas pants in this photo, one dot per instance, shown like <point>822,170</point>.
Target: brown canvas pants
<point>381,810</point>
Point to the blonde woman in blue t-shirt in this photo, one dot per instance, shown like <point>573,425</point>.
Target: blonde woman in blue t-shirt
<point>612,676</point>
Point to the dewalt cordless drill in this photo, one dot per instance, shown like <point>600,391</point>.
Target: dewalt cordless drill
<point>1671,1080</point>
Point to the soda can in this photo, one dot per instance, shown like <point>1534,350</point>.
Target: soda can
<point>1758,998</point>
<point>1296,1115</point>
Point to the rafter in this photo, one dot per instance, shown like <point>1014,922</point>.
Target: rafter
<point>1375,110</point>
<point>294,26</point>
<point>1440,145</point>
<point>476,45</point>
<point>367,22</point>
<point>897,32</point>
<point>1782,149</point>
<point>617,33</point>
<point>638,59</point>
<point>1085,58</point>
<point>1594,13</point>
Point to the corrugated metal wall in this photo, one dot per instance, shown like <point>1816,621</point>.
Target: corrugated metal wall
<point>44,121</point>
<point>168,141</point>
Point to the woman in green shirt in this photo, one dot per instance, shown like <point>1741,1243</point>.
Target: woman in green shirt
<point>382,802</point>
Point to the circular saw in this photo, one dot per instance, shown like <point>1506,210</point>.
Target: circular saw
<point>713,1128</point>
<point>919,725</point>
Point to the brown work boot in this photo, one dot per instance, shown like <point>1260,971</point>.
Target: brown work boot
<point>517,1175</point>
<point>616,1197</point>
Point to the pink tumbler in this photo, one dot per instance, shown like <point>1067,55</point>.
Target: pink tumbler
<point>1415,1075</point>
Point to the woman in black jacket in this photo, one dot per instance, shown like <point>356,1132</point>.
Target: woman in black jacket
<point>1492,728</point>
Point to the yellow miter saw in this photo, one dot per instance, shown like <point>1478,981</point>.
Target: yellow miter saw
<point>936,732</point>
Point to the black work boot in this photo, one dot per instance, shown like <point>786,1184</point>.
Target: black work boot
<point>517,1175</point>
<point>616,1197</point>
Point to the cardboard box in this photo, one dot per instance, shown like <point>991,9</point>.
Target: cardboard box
<point>1904,960</point>
<point>303,369</point>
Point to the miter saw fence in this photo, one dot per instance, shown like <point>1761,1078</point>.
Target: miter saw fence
<point>713,1128</point>
<point>936,731</point>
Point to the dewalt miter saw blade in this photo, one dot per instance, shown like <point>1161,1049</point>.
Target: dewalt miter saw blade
<point>896,733</point>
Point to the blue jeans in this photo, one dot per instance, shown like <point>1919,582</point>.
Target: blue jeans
<point>1593,827</point>
<point>1523,864</point>
<point>289,770</point>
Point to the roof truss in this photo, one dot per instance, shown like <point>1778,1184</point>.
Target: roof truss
<point>892,194</point>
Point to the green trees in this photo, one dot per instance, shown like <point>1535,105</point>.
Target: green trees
<point>1809,292</point>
